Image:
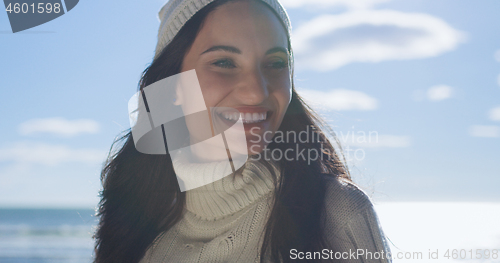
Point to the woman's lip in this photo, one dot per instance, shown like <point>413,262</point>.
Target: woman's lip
<point>245,125</point>
<point>245,109</point>
<point>252,109</point>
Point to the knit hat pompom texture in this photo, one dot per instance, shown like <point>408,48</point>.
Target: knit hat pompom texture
<point>175,13</point>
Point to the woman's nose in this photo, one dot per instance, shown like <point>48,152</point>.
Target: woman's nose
<point>253,88</point>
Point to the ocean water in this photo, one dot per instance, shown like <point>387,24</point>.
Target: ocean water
<point>46,235</point>
<point>418,232</point>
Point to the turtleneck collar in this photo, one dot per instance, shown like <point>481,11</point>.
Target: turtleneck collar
<point>230,194</point>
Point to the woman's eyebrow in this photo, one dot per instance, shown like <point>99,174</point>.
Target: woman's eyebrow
<point>237,51</point>
<point>222,48</point>
<point>277,49</point>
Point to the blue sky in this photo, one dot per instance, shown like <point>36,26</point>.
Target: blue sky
<point>422,75</point>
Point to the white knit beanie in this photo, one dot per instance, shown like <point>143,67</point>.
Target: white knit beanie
<point>175,13</point>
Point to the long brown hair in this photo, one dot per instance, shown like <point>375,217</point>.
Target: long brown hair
<point>141,198</point>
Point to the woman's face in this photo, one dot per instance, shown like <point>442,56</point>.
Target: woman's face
<point>241,58</point>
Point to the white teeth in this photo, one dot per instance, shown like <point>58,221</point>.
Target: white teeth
<point>247,117</point>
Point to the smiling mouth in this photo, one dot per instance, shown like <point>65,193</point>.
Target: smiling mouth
<point>246,117</point>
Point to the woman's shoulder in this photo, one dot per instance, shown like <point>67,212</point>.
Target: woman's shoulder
<point>351,222</point>
<point>344,200</point>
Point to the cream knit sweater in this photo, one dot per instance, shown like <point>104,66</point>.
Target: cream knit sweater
<point>225,221</point>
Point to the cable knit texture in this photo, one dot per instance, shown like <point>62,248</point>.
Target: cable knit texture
<point>225,221</point>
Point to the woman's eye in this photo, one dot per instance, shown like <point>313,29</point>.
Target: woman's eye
<point>278,64</point>
<point>224,63</point>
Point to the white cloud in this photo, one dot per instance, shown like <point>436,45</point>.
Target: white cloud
<point>49,155</point>
<point>484,131</point>
<point>339,99</point>
<point>332,41</point>
<point>59,126</point>
<point>439,92</point>
<point>495,114</point>
<point>352,4</point>
<point>497,55</point>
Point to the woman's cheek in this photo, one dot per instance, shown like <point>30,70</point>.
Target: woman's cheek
<point>282,85</point>
<point>284,96</point>
<point>213,90</point>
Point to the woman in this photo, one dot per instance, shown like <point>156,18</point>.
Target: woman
<point>281,205</point>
